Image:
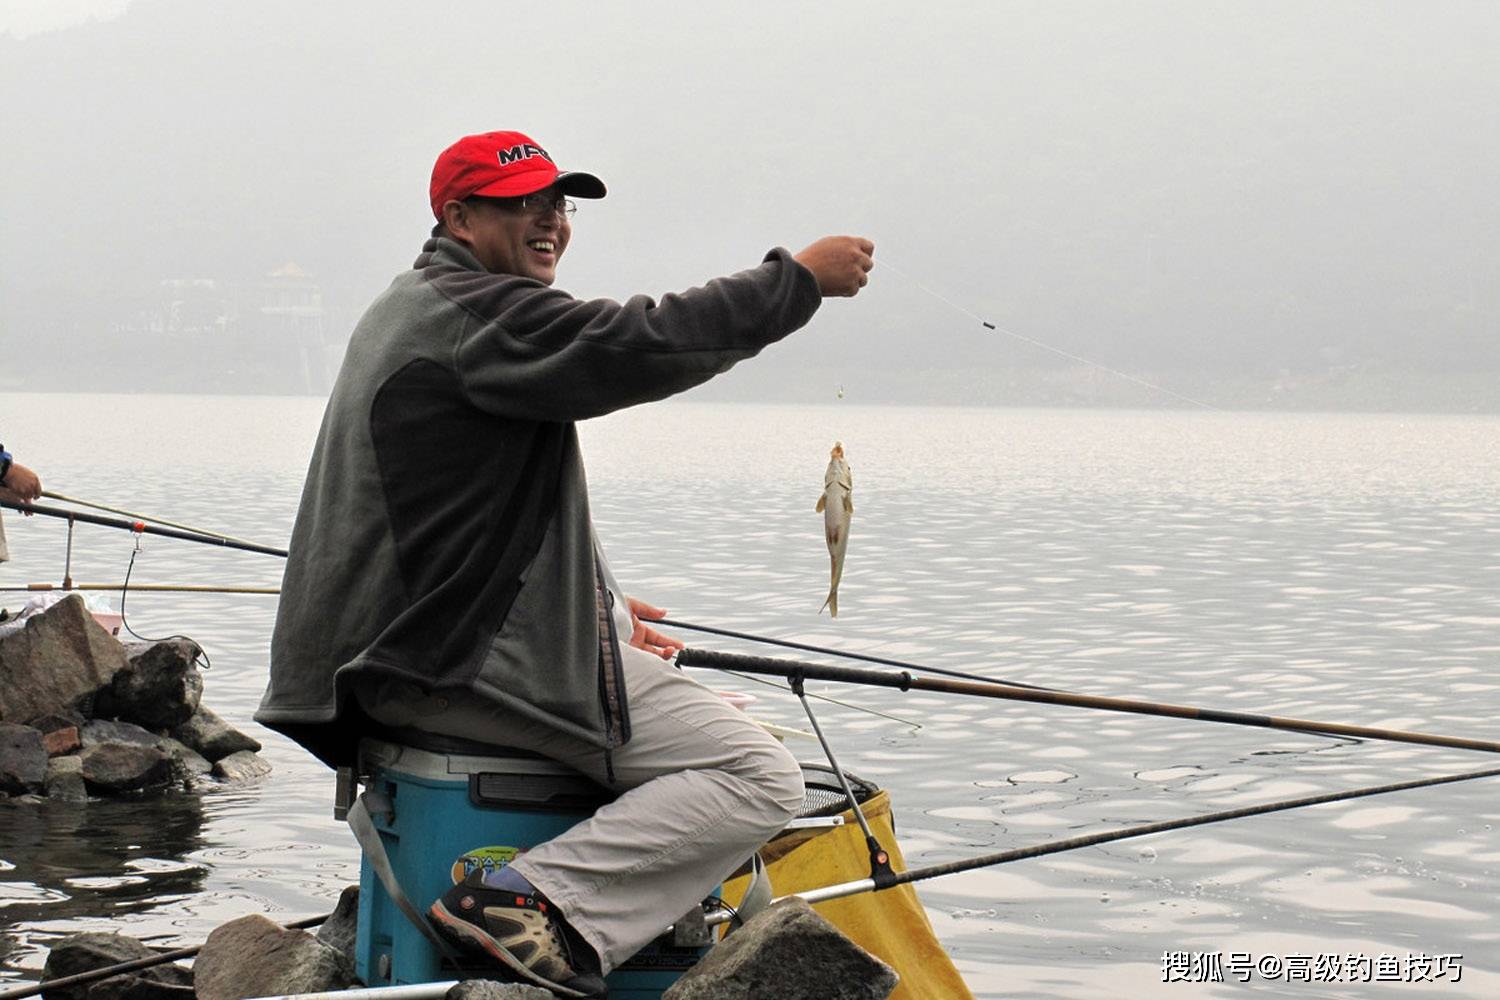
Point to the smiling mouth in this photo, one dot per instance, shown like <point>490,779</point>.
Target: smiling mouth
<point>542,246</point>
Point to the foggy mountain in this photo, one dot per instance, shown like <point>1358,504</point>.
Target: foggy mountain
<point>1271,204</point>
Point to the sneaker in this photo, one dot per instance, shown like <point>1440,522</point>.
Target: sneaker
<point>521,932</point>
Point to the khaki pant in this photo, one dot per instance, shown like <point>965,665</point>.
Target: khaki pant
<point>4,552</point>
<point>703,788</point>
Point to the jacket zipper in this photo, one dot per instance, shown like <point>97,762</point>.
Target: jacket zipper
<point>611,673</point>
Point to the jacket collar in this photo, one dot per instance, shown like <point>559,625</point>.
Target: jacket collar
<point>444,252</point>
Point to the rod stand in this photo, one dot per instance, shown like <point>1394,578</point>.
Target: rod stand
<point>68,559</point>
<point>880,860</point>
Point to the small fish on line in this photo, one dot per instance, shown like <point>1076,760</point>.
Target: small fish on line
<point>836,505</point>
<point>987,324</point>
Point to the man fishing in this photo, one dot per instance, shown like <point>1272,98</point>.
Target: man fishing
<point>18,484</point>
<point>444,572</point>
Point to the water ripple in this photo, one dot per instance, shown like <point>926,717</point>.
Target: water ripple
<point>1328,567</point>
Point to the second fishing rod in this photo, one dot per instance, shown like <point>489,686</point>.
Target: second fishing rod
<point>961,683</point>
<point>206,537</point>
<point>140,527</point>
<point>797,671</point>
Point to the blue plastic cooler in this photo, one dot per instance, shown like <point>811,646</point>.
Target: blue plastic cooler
<point>451,813</point>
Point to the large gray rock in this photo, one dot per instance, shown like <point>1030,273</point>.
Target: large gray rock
<point>159,688</point>
<point>187,763</point>
<point>97,731</point>
<point>487,989</point>
<point>339,930</point>
<point>254,957</point>
<point>211,736</point>
<point>124,767</point>
<point>65,780</point>
<point>85,952</point>
<point>56,663</point>
<point>242,765</point>
<point>786,950</point>
<point>23,759</point>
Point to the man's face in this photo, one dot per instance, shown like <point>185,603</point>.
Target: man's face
<point>511,239</point>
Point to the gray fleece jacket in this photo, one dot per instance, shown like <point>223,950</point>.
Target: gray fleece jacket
<point>443,536</point>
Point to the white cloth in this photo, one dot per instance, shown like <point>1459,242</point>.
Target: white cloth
<point>704,787</point>
<point>94,604</point>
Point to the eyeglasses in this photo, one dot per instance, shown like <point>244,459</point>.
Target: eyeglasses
<point>541,204</point>
<point>530,204</point>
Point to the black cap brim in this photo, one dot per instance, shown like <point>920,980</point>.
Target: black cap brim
<point>579,184</point>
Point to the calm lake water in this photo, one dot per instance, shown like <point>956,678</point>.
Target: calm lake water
<point>1332,567</point>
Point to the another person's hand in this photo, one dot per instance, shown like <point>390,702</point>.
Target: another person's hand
<point>643,636</point>
<point>21,483</point>
<point>840,263</point>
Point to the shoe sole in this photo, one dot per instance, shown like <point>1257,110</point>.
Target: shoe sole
<point>466,934</point>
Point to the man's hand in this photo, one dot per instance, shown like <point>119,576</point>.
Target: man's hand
<point>21,484</point>
<point>840,263</point>
<point>643,636</point>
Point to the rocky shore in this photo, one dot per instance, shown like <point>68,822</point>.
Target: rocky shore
<point>787,951</point>
<point>82,714</point>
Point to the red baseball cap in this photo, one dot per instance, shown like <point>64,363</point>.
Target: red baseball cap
<point>502,165</point>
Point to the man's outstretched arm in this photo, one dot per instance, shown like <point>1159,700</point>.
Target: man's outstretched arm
<point>552,357</point>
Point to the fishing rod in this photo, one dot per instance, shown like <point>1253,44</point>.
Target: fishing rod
<point>140,527</point>
<point>434,991</point>
<point>189,588</point>
<point>797,671</point>
<point>669,622</point>
<point>806,647</point>
<point>881,880</point>
<point>893,879</point>
<point>143,517</point>
<point>160,588</point>
<point>134,965</point>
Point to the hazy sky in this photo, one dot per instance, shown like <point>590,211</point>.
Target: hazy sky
<point>1162,187</point>
<point>24,18</point>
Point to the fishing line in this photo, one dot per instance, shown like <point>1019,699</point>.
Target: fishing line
<point>885,262</point>
<point>125,589</point>
<point>806,647</point>
<point>832,701</point>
